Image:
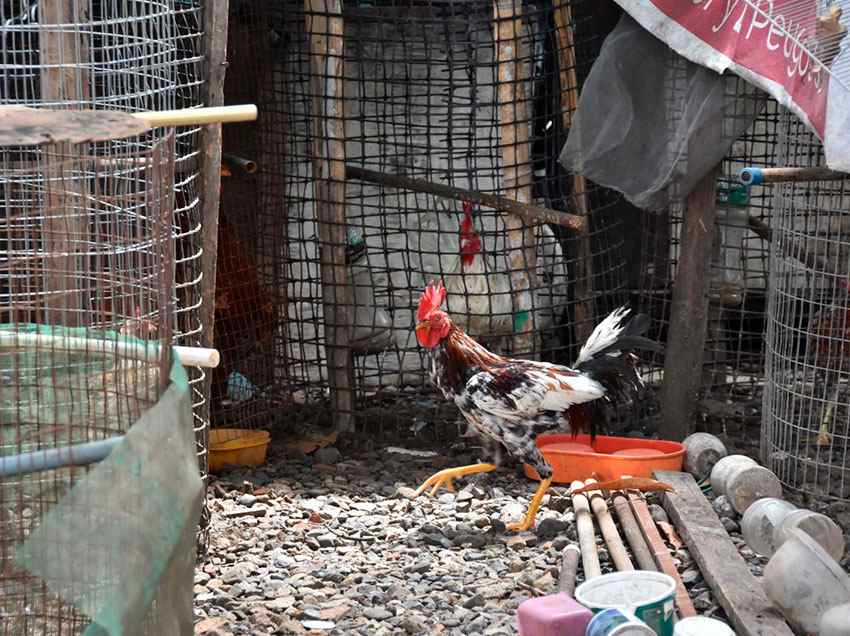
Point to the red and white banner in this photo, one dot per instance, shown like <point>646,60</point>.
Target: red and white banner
<point>771,43</point>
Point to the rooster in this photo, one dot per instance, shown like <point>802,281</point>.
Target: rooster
<point>509,402</point>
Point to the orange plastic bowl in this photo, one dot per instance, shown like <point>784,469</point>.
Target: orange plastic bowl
<point>237,447</point>
<point>634,457</point>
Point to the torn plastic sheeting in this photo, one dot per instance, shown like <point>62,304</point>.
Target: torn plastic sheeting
<point>123,537</point>
<point>642,111</point>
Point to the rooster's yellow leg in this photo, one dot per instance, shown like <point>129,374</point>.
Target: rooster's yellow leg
<point>533,507</point>
<point>444,477</point>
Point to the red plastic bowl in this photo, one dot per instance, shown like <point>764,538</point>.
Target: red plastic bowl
<point>570,464</point>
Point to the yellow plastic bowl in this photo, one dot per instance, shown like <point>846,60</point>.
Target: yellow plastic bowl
<point>237,447</point>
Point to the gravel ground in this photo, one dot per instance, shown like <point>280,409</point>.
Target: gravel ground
<point>334,545</point>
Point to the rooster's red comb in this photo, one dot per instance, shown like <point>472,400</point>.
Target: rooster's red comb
<point>432,298</point>
<point>466,227</point>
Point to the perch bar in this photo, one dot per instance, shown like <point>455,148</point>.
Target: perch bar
<point>569,569</point>
<point>632,531</point>
<point>791,248</point>
<point>757,176</point>
<point>609,531</point>
<point>586,535</point>
<point>246,166</point>
<point>529,212</point>
<point>62,457</point>
<point>188,356</point>
<point>199,116</point>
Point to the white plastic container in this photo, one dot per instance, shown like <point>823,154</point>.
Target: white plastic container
<point>702,626</point>
<point>702,452</point>
<point>747,484</point>
<point>804,582</point>
<point>761,520</point>
<point>836,622</point>
<point>819,527</point>
<point>722,469</point>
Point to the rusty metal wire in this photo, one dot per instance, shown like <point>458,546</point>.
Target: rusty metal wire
<point>422,93</point>
<point>806,420</point>
<point>86,242</point>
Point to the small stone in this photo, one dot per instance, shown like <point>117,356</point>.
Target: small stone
<point>215,626</point>
<point>515,543</point>
<point>405,492</point>
<point>326,540</point>
<point>516,566</point>
<point>280,604</point>
<point>419,567</point>
<point>723,507</point>
<point>446,499</point>
<point>559,543</point>
<point>328,455</point>
<point>246,500</point>
<point>730,524</point>
<point>658,514</point>
<point>377,613</point>
<point>316,624</point>
<point>474,601</point>
<point>702,602</point>
<point>512,512</point>
<point>691,576</point>
<point>549,527</point>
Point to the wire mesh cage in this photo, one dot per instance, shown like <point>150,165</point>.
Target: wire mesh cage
<point>731,382</point>
<point>129,56</point>
<point>86,303</point>
<point>806,422</point>
<point>383,128</point>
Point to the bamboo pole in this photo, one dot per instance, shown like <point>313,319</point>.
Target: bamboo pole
<point>586,534</point>
<point>325,30</point>
<point>609,531</point>
<point>569,569</point>
<point>569,103</point>
<point>64,81</point>
<point>516,164</point>
<point>757,176</point>
<point>531,214</point>
<point>632,531</point>
<point>199,116</point>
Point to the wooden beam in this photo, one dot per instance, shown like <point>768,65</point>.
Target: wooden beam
<point>64,82</point>
<point>532,214</point>
<point>689,311</point>
<point>584,314</point>
<point>325,31</point>
<point>739,593</point>
<point>514,122</point>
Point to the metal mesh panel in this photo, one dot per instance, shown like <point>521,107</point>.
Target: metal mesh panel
<point>733,359</point>
<point>129,56</point>
<point>806,425</point>
<point>85,231</point>
<point>425,92</point>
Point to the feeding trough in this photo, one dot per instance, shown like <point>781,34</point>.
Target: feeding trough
<point>609,457</point>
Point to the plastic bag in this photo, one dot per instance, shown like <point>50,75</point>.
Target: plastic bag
<point>651,124</point>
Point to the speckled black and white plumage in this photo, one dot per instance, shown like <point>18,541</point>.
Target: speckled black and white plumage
<point>509,402</point>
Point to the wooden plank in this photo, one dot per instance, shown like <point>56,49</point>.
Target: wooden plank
<point>64,84</point>
<point>689,312</point>
<point>325,30</point>
<point>515,147</point>
<point>739,593</point>
<point>584,315</point>
<point>660,552</point>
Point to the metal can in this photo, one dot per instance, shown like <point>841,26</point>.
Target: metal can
<point>617,622</point>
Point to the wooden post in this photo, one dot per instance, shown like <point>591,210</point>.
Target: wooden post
<point>325,30</point>
<point>569,102</point>
<point>64,84</point>
<point>516,164</point>
<point>689,311</point>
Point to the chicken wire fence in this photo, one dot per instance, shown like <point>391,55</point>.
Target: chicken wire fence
<point>129,56</point>
<point>806,422</point>
<point>732,378</point>
<point>86,305</point>
<point>474,95</point>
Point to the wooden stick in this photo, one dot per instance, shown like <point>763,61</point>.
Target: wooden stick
<point>199,116</point>
<point>241,164</point>
<point>532,214</point>
<point>757,176</point>
<point>569,102</point>
<point>586,535</point>
<point>660,553</point>
<point>325,30</point>
<point>569,569</point>
<point>689,311</point>
<point>508,37</point>
<point>739,593</point>
<point>633,534</point>
<point>609,531</point>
